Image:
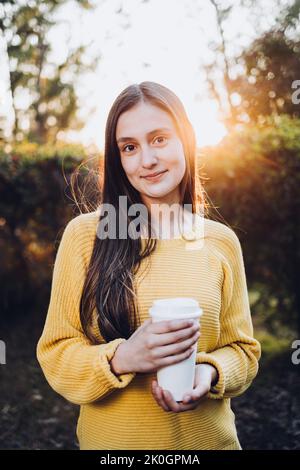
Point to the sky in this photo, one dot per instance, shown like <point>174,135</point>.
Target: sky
<point>165,41</point>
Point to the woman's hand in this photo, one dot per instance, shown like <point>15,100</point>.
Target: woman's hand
<point>154,345</point>
<point>205,376</point>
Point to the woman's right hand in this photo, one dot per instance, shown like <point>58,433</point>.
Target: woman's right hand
<point>154,345</point>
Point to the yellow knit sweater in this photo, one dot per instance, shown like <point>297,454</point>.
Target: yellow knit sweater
<point>119,412</point>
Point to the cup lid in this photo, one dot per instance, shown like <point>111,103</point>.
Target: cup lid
<point>192,313</point>
<point>177,301</point>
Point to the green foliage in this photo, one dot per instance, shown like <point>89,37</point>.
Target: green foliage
<point>271,345</point>
<point>49,86</point>
<point>254,180</point>
<point>272,63</point>
<point>269,67</point>
<point>36,202</point>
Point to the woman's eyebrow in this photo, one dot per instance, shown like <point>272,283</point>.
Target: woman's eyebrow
<point>155,131</point>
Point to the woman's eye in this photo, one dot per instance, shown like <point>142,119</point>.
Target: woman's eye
<point>160,137</point>
<point>129,145</point>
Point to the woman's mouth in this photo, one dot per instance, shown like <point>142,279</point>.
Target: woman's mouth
<point>156,176</point>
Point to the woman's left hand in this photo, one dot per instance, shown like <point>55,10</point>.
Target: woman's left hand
<point>205,376</point>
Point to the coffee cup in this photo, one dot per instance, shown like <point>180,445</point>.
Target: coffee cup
<point>177,378</point>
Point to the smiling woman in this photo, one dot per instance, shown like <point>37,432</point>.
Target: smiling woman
<point>99,347</point>
<point>153,159</point>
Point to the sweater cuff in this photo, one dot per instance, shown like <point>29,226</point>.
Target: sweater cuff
<point>103,370</point>
<point>218,390</point>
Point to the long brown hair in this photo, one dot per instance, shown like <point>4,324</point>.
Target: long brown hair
<point>109,287</point>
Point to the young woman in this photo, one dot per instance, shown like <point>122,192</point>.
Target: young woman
<point>99,348</point>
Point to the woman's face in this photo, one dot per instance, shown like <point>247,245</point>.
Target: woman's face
<point>148,144</point>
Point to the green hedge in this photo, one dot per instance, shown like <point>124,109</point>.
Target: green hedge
<point>35,204</point>
<point>254,180</point>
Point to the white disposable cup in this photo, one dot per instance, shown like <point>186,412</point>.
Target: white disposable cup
<point>177,378</point>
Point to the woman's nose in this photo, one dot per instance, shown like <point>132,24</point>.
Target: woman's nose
<point>148,157</point>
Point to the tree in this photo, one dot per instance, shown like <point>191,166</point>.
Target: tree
<point>272,65</point>
<point>225,103</point>
<point>49,87</point>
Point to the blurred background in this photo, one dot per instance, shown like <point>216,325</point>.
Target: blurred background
<point>236,67</point>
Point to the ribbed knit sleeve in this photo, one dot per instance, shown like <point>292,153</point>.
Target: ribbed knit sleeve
<point>74,368</point>
<point>237,354</point>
